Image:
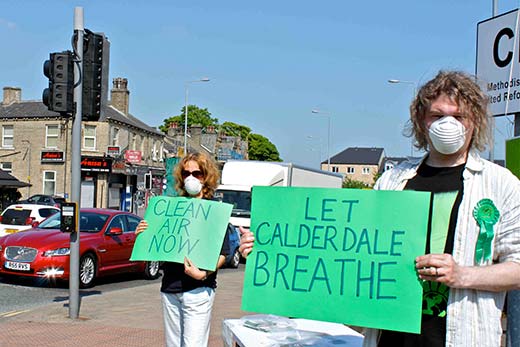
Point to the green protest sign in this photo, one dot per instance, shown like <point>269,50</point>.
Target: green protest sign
<point>181,227</point>
<point>338,255</point>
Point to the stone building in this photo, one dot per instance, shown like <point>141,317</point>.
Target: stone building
<point>208,140</point>
<point>116,151</point>
<point>357,163</point>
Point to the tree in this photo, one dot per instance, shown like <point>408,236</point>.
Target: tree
<point>233,129</point>
<point>350,183</point>
<point>260,148</point>
<point>196,115</point>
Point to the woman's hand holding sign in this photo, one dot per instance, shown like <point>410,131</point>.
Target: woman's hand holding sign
<point>193,271</point>
<point>142,226</point>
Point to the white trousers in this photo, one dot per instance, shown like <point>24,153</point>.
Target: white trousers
<point>187,317</point>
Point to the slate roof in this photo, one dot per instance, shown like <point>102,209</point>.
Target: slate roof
<point>358,155</point>
<point>36,109</point>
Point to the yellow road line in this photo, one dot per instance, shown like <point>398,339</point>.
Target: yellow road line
<point>12,313</point>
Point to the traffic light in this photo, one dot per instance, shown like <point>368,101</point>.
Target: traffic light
<point>96,50</point>
<point>147,181</point>
<point>59,69</point>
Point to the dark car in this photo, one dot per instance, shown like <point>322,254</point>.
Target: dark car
<point>107,239</point>
<point>42,199</point>
<point>233,258</point>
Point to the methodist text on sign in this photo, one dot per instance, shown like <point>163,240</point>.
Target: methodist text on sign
<point>498,64</point>
<point>337,255</point>
<point>181,227</point>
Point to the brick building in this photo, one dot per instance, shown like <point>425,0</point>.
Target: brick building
<point>117,151</point>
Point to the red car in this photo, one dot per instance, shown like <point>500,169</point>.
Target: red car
<point>106,241</point>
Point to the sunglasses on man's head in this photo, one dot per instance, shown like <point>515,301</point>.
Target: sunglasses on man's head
<point>197,174</point>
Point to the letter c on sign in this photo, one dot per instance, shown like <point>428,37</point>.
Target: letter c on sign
<point>499,62</point>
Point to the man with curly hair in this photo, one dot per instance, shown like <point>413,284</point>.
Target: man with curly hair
<point>472,255</point>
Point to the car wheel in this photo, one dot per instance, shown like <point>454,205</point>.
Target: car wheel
<point>235,260</point>
<point>151,270</point>
<point>87,271</point>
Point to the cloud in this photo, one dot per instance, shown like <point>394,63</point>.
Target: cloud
<point>7,24</point>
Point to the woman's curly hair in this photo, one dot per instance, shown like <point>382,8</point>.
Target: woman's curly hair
<point>208,168</point>
<point>462,89</point>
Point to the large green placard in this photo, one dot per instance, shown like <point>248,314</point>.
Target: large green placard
<point>181,227</point>
<point>338,255</point>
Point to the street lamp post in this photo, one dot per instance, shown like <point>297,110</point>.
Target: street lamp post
<point>186,84</point>
<point>328,134</point>
<point>414,84</point>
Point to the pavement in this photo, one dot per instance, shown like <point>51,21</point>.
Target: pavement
<point>129,317</point>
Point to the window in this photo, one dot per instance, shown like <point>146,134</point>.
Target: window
<point>89,137</point>
<point>114,137</point>
<point>161,152</point>
<point>49,182</point>
<point>335,169</point>
<point>366,170</point>
<point>134,142</point>
<point>141,141</point>
<point>350,170</point>
<point>132,223</point>
<point>154,151</point>
<point>117,222</point>
<point>51,136</point>
<point>7,136</point>
<point>7,167</point>
<point>389,166</point>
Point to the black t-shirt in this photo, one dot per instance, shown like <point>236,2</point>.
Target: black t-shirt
<point>446,185</point>
<point>175,280</point>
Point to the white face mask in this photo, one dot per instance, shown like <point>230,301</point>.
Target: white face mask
<point>192,185</point>
<point>447,135</point>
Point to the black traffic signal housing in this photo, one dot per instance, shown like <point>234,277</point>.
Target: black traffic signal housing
<point>59,69</point>
<point>148,181</point>
<point>96,52</point>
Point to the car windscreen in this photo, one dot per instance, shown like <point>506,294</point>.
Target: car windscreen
<point>240,200</point>
<point>15,217</point>
<point>46,212</point>
<point>89,222</point>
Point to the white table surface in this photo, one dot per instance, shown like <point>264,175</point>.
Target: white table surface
<point>306,333</point>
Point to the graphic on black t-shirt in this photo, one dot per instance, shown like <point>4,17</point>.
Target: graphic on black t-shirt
<point>435,295</point>
<point>435,298</point>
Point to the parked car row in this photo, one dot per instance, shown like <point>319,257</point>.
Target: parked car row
<point>41,199</point>
<point>35,247</point>
<point>107,238</point>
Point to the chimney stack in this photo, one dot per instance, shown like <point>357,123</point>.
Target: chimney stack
<point>119,95</point>
<point>12,95</point>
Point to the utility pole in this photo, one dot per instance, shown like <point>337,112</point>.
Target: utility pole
<point>79,30</point>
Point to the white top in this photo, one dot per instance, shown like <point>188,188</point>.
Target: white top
<point>473,316</point>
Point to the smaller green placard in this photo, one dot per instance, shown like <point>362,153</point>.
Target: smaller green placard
<point>181,227</point>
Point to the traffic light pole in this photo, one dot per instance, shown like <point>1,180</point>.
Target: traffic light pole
<point>79,31</point>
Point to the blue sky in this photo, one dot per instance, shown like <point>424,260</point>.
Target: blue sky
<point>270,62</point>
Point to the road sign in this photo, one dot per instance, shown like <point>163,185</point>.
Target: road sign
<point>498,64</point>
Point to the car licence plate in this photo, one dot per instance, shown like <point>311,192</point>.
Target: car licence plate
<point>13,265</point>
<point>11,231</point>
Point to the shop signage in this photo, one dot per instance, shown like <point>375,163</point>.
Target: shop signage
<point>113,151</point>
<point>52,157</point>
<point>132,156</point>
<point>96,164</point>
